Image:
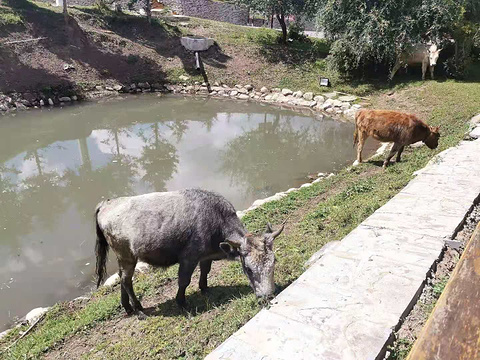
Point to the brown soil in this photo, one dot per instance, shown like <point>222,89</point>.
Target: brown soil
<point>103,50</point>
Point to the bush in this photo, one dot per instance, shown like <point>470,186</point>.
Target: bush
<point>368,34</point>
<point>295,33</point>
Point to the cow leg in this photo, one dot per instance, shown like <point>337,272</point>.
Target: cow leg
<point>127,274</point>
<point>395,68</point>
<point>399,153</point>
<point>205,267</point>
<point>360,145</point>
<point>424,69</point>
<point>124,295</point>
<point>185,272</point>
<point>432,68</point>
<point>394,149</point>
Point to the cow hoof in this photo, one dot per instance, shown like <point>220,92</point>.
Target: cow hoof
<point>141,315</point>
<point>356,163</point>
<point>181,303</point>
<point>129,311</point>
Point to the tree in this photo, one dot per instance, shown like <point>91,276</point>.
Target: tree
<point>366,33</point>
<point>282,10</point>
<point>147,7</point>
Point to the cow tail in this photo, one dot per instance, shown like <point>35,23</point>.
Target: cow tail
<point>101,250</point>
<point>355,133</point>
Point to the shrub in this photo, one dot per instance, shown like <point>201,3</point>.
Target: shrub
<point>369,33</point>
<point>295,32</point>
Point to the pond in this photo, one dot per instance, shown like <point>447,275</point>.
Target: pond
<point>57,164</point>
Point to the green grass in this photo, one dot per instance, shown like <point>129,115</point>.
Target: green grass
<point>8,17</point>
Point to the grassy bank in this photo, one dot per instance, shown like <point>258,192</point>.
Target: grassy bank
<point>326,211</point>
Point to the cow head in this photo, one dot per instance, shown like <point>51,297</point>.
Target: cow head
<point>258,259</point>
<point>432,139</point>
<point>433,54</point>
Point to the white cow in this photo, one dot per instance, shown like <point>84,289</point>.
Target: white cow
<point>418,54</point>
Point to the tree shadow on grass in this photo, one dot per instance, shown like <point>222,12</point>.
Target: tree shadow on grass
<point>14,72</point>
<point>198,303</point>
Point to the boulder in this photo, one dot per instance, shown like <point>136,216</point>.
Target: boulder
<point>243,97</point>
<point>330,95</point>
<point>234,93</point>
<point>50,102</point>
<point>183,78</point>
<point>112,280</point>
<point>64,99</point>
<point>20,106</point>
<point>4,333</point>
<point>350,113</point>
<point>35,314</point>
<point>42,103</point>
<point>475,133</point>
<point>319,99</point>
<point>475,122</point>
<point>248,87</point>
<point>336,103</point>
<point>287,92</point>
<point>347,98</point>
<point>99,88</point>
<point>74,98</point>
<point>243,91</point>
<point>142,267</point>
<point>264,90</point>
<point>298,94</point>
<point>68,67</point>
<point>308,96</point>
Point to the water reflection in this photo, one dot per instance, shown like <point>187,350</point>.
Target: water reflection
<point>56,165</point>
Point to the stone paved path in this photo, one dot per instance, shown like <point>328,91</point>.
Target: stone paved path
<point>347,303</point>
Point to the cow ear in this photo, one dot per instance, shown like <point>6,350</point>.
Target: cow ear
<point>229,250</point>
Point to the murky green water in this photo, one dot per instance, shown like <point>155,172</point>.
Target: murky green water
<point>56,165</point>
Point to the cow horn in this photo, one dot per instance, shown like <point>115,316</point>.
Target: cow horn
<point>278,232</point>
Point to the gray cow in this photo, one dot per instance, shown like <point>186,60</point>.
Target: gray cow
<point>185,227</point>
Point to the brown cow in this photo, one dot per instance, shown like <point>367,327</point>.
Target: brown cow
<point>392,126</point>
